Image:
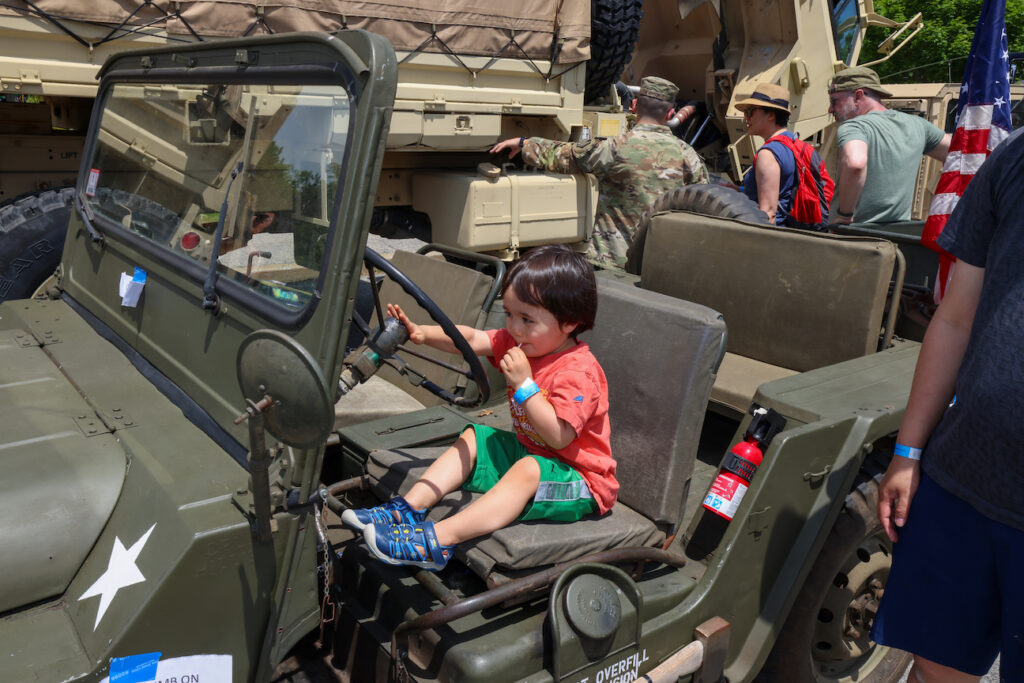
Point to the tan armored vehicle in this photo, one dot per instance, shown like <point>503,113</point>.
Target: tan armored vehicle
<point>467,78</point>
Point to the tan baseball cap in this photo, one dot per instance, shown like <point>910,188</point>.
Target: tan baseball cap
<point>856,78</point>
<point>767,95</point>
<point>658,88</point>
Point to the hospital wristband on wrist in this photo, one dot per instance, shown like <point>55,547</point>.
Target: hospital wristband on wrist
<point>527,389</point>
<point>907,452</point>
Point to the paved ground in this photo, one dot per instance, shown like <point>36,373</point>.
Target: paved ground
<point>386,246</point>
<point>991,677</point>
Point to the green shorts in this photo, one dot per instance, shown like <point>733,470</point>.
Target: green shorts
<point>562,495</point>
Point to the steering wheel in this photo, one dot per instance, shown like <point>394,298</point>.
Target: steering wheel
<point>475,373</point>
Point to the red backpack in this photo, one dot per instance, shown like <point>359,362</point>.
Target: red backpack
<point>814,187</point>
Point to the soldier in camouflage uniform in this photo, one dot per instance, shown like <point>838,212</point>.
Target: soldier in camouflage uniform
<point>632,170</point>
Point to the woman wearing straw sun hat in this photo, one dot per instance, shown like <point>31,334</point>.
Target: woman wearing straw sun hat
<point>771,181</point>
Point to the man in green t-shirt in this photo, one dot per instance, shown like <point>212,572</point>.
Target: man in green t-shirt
<point>879,150</point>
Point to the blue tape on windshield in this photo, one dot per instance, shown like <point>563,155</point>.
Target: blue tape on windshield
<point>135,668</point>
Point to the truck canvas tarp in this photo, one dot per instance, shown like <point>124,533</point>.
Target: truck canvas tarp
<point>556,30</point>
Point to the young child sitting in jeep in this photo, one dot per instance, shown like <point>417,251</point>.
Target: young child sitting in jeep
<point>557,465</point>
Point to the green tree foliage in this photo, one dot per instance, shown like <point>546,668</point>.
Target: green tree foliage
<point>938,53</point>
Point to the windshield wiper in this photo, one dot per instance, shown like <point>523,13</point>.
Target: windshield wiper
<point>85,211</point>
<point>210,299</point>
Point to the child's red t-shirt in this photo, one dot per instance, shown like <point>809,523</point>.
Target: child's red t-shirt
<point>574,384</point>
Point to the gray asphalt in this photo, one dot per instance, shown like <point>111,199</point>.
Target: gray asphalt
<point>991,677</point>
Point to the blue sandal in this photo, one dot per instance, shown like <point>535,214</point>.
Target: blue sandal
<point>395,511</point>
<point>408,544</point>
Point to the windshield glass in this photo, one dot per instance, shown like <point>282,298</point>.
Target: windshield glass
<point>845,26</point>
<point>162,167</point>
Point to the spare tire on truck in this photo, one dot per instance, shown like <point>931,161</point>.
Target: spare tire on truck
<point>32,230</point>
<point>710,200</point>
<point>614,27</point>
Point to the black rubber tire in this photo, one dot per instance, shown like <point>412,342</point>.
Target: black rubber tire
<point>708,200</point>
<point>32,230</point>
<point>614,26</point>
<point>856,547</point>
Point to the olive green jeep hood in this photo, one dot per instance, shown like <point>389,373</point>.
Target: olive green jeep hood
<point>63,468</point>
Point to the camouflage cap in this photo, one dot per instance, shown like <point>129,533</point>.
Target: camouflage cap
<point>658,88</point>
<point>856,78</point>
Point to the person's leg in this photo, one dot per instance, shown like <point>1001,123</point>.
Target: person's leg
<point>446,473</point>
<point>927,671</point>
<point>1010,541</point>
<point>494,510</point>
<point>442,477</point>
<point>937,605</point>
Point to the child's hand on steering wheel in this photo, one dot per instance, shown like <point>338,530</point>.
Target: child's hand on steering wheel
<point>416,335</point>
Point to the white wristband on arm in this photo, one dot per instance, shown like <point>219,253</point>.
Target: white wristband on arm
<point>907,452</point>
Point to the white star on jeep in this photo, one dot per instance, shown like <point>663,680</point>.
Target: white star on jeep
<point>121,571</point>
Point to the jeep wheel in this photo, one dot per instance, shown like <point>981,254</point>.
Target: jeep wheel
<point>614,26</point>
<point>709,200</point>
<point>32,229</point>
<point>827,637</point>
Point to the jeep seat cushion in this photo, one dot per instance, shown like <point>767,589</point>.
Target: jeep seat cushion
<point>791,298</point>
<point>738,380</point>
<point>660,355</point>
<point>521,545</point>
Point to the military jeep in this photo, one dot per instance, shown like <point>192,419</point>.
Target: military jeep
<point>198,396</point>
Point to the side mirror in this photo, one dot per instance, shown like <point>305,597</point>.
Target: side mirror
<point>285,394</point>
<point>271,365</point>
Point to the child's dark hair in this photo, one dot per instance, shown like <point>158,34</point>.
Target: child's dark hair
<point>559,280</point>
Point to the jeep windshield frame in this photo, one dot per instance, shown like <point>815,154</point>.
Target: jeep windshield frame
<point>145,181</point>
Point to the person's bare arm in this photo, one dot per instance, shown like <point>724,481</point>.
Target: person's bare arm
<point>768,176</point>
<point>940,150</point>
<point>934,384</point>
<point>556,432</point>
<point>433,335</point>
<point>853,171</point>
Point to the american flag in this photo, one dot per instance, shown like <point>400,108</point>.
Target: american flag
<point>982,122</point>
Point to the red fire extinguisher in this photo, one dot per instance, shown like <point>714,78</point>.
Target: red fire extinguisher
<point>741,462</point>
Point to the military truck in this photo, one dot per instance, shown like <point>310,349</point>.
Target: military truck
<point>467,78</point>
<point>178,445</point>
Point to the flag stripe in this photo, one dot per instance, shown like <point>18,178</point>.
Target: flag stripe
<point>983,121</point>
<point>944,203</point>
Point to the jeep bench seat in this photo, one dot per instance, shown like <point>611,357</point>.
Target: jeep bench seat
<point>660,356</point>
<point>793,300</point>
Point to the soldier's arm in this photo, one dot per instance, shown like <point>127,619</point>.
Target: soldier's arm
<point>566,157</point>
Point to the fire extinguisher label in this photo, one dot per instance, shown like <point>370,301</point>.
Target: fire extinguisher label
<point>725,496</point>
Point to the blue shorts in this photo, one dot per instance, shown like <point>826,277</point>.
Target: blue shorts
<point>955,594</point>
